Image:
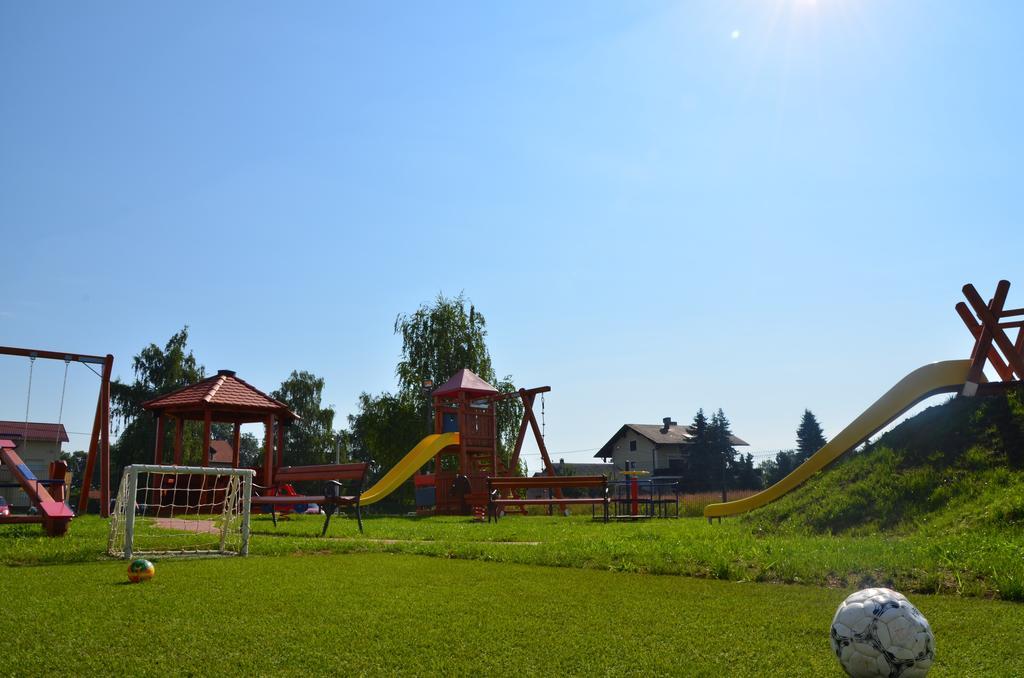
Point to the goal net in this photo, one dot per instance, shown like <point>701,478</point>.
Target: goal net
<point>181,510</point>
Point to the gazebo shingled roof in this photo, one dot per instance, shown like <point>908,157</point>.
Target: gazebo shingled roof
<point>222,398</point>
<point>232,398</point>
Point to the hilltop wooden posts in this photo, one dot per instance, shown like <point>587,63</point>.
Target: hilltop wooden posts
<point>988,325</point>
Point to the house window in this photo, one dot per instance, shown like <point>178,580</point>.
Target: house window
<point>632,446</point>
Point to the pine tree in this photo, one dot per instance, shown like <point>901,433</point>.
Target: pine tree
<point>719,440</point>
<point>745,476</point>
<point>774,470</point>
<point>809,437</point>
<point>700,463</point>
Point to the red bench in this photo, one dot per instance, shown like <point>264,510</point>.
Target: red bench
<point>496,487</point>
<point>335,477</point>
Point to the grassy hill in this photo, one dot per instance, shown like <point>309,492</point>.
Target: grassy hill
<point>955,467</point>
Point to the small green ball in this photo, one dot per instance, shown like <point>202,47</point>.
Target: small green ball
<point>140,570</point>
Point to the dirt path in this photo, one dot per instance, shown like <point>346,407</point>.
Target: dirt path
<point>208,527</point>
<point>435,541</point>
<point>198,526</point>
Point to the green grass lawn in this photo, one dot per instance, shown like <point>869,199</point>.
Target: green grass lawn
<point>384,614</point>
<point>536,595</point>
<point>975,563</point>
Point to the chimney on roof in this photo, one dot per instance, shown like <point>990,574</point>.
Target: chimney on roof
<point>225,373</point>
<point>667,424</point>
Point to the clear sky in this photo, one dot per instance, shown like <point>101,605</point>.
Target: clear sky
<point>762,206</point>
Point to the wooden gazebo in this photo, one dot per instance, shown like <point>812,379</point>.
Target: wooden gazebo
<point>222,398</point>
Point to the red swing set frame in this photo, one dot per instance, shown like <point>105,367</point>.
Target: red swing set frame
<point>99,440</point>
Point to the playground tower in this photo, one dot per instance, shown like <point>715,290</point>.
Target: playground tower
<point>465,404</point>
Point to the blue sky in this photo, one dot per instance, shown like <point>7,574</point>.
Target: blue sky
<point>761,206</point>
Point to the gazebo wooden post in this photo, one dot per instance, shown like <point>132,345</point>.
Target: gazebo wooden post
<point>268,451</point>
<point>280,444</point>
<point>179,439</point>
<point>236,446</point>
<point>158,447</point>
<point>493,412</point>
<point>207,430</point>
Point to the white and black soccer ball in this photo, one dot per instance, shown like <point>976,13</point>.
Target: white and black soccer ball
<point>877,632</point>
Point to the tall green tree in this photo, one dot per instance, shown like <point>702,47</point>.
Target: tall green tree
<point>700,459</point>
<point>809,437</point>
<point>438,340</point>
<point>720,442</point>
<point>744,475</point>
<point>774,470</point>
<point>310,440</point>
<point>157,371</point>
<point>385,429</point>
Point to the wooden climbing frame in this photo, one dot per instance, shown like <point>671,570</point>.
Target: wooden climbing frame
<point>988,324</point>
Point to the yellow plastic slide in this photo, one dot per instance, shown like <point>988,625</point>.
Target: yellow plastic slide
<point>944,377</point>
<point>409,464</point>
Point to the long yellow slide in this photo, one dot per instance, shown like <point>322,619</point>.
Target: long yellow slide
<point>408,465</point>
<point>943,377</point>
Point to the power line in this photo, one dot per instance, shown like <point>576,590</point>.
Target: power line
<point>565,454</point>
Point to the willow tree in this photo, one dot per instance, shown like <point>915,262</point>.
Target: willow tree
<point>438,339</point>
<point>442,338</point>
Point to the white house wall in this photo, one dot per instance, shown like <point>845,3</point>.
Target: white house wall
<point>37,455</point>
<point>647,456</point>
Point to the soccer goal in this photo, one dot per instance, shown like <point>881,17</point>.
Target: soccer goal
<point>181,510</point>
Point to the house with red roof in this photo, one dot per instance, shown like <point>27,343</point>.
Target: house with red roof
<point>37,443</point>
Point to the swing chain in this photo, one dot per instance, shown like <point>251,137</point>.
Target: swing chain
<point>28,399</point>
<point>60,413</point>
<point>543,423</point>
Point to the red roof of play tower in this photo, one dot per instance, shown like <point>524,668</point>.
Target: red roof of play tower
<point>465,380</point>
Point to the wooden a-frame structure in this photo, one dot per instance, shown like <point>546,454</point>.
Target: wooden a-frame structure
<point>988,324</point>
<point>99,439</point>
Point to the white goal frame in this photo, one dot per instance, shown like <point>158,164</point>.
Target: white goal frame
<point>233,515</point>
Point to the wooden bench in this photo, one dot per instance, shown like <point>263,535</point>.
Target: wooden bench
<point>506,485</point>
<point>335,477</point>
